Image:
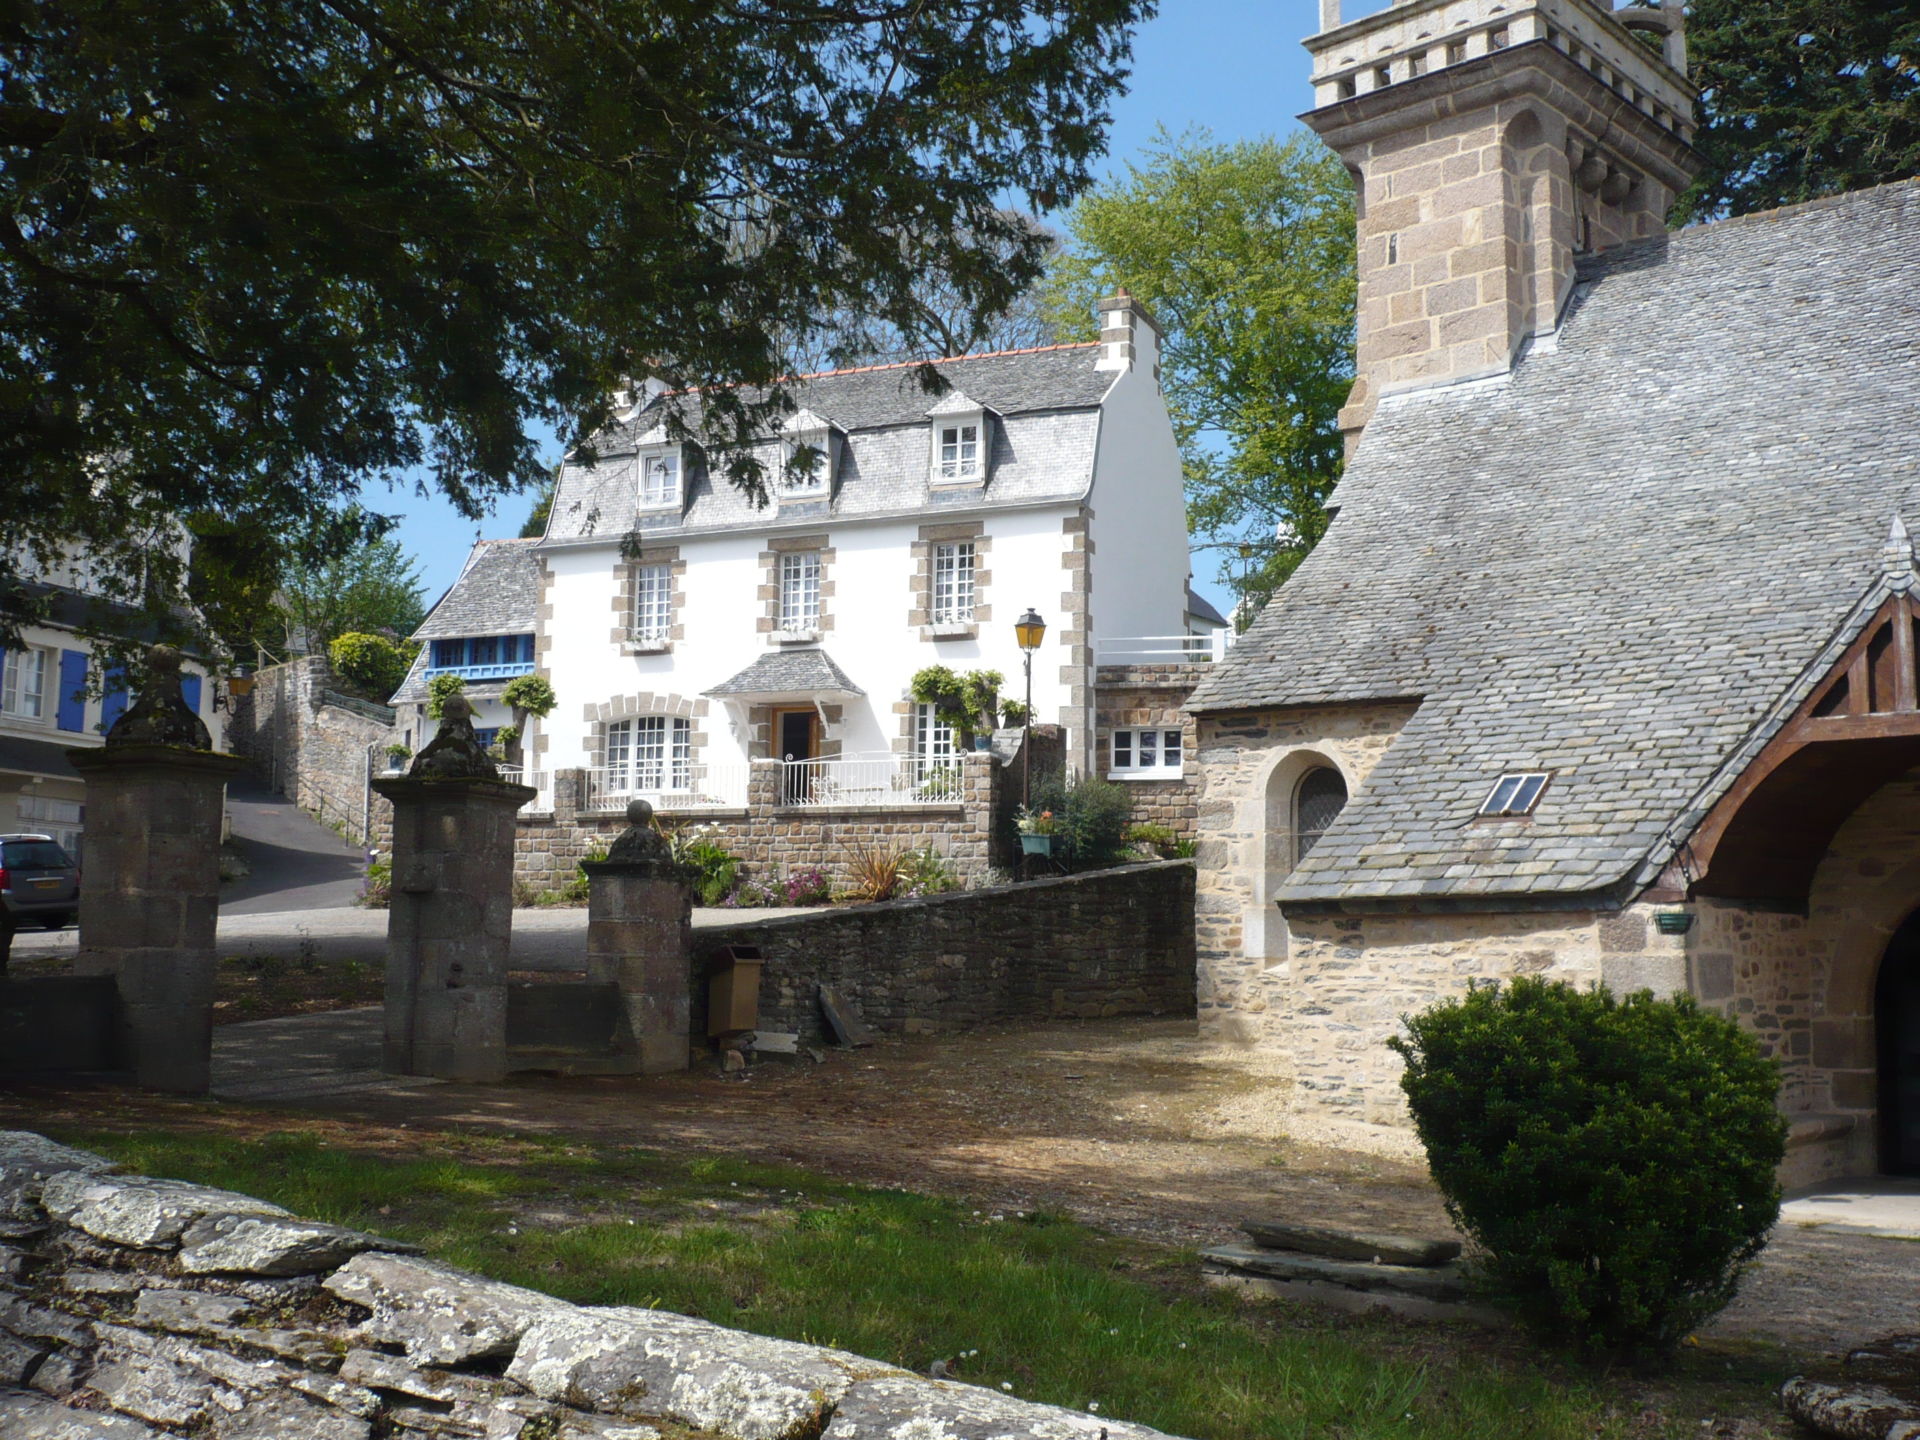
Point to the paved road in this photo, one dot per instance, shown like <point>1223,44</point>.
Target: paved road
<point>543,939</point>
<point>297,863</point>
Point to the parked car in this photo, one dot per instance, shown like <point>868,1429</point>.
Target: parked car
<point>39,881</point>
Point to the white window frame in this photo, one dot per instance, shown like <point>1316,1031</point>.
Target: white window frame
<point>1141,752</point>
<point>799,586</point>
<point>649,754</point>
<point>653,603</point>
<point>817,479</point>
<point>934,746</point>
<point>664,496</point>
<point>951,463</point>
<point>23,688</point>
<point>953,598</point>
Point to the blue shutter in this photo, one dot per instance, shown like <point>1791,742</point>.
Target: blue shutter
<point>114,704</point>
<point>190,692</point>
<point>526,649</point>
<point>72,714</point>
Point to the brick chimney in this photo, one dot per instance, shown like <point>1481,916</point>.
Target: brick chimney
<point>1129,336</point>
<point>1491,142</point>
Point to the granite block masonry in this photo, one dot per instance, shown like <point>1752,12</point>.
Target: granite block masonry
<point>155,794</point>
<point>137,1309</point>
<point>451,919</point>
<point>639,937</point>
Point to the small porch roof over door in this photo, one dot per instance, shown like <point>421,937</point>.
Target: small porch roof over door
<point>800,677</point>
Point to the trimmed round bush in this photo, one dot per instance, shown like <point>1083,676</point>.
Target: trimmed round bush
<point>1614,1158</point>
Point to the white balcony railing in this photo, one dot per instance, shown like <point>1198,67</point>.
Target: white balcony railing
<point>878,781</point>
<point>682,785</point>
<point>520,775</point>
<point>1163,649</point>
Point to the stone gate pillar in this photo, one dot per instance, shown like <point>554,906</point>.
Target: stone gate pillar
<point>150,898</point>
<point>639,937</point>
<point>451,920</point>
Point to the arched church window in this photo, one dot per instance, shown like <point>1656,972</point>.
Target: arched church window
<point>1316,805</point>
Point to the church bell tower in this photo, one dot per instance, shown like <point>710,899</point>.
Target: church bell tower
<point>1491,143</point>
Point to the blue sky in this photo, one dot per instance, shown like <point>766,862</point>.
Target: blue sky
<point>1233,66</point>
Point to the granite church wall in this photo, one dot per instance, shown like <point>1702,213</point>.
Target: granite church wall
<point>139,1309</point>
<point>1109,942</point>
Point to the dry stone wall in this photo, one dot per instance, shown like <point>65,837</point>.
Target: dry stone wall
<point>135,1309</point>
<point>318,747</point>
<point>1111,942</point>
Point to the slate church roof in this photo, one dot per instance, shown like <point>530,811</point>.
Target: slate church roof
<point>1611,564</point>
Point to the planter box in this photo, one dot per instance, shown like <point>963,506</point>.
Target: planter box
<point>1037,844</point>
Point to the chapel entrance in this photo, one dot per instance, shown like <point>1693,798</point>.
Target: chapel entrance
<point>1896,1017</point>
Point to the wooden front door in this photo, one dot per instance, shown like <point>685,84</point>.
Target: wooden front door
<point>1896,1019</point>
<point>795,735</point>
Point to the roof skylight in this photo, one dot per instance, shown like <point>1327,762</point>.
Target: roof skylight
<point>1515,794</point>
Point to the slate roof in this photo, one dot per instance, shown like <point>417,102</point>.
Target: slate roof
<point>1048,399</point>
<point>1615,563</point>
<point>498,593</point>
<point>789,672</point>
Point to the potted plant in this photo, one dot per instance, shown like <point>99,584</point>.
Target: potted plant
<point>398,755</point>
<point>1039,831</point>
<point>969,704</point>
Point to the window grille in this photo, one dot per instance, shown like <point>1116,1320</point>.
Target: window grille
<point>653,602</point>
<point>953,583</point>
<point>1316,805</point>
<point>1140,752</point>
<point>649,753</point>
<point>660,480</point>
<point>959,452</point>
<point>933,748</point>
<point>800,590</point>
<point>23,686</point>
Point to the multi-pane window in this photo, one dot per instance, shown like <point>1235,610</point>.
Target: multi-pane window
<point>953,583</point>
<point>1316,805</point>
<point>936,759</point>
<point>1147,752</point>
<point>800,590</point>
<point>649,753</point>
<point>959,451</point>
<point>806,471</point>
<point>23,686</point>
<point>659,480</point>
<point>653,602</point>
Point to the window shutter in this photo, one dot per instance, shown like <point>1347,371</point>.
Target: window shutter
<point>73,685</point>
<point>190,692</point>
<point>114,704</point>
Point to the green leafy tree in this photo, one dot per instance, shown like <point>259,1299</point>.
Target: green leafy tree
<point>535,525</point>
<point>372,665</point>
<point>967,703</point>
<point>1802,98</point>
<point>256,257</point>
<point>373,587</point>
<point>441,689</point>
<point>1244,253</point>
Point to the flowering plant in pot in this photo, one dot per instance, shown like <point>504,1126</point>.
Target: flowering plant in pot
<point>1038,830</point>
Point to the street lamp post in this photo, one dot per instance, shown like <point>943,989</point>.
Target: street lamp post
<point>1030,630</point>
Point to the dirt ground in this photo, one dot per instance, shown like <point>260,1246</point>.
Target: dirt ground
<point>1132,1125</point>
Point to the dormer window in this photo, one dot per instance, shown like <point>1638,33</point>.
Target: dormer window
<point>660,479</point>
<point>959,452</point>
<point>960,441</point>
<point>806,471</point>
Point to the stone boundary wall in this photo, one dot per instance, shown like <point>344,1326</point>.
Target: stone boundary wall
<point>1110,942</point>
<point>1131,697</point>
<point>138,1309</point>
<point>317,747</point>
<point>774,840</point>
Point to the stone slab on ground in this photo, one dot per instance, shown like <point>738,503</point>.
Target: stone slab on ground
<point>440,1315</point>
<point>1377,1248</point>
<point>135,1211</point>
<point>1851,1411</point>
<point>1443,1282</point>
<point>34,1417</point>
<point>26,1160</point>
<point>269,1245</point>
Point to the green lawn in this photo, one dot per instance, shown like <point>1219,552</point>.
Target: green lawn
<point>1042,1305</point>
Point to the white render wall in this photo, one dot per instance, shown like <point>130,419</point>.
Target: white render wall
<point>871,573</point>
<point>1139,530</point>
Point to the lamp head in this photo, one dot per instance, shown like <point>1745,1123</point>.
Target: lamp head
<point>1030,629</point>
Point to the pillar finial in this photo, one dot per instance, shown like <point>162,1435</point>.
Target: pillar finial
<point>160,715</point>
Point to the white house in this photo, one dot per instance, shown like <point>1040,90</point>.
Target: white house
<point>687,631</point>
<point>54,698</point>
